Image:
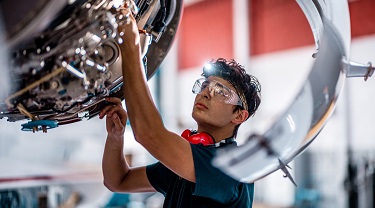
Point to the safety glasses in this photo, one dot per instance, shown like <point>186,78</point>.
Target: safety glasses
<point>217,90</point>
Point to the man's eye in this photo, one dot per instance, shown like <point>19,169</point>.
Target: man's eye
<point>224,94</point>
<point>204,85</point>
<point>219,91</point>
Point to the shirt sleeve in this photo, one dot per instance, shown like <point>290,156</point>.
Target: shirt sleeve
<point>210,181</point>
<point>159,177</point>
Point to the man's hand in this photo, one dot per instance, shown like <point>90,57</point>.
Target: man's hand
<point>128,31</point>
<point>116,117</point>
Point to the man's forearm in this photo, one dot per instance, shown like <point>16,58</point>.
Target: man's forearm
<point>141,109</point>
<point>115,167</point>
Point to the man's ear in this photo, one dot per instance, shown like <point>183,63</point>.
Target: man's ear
<point>241,117</point>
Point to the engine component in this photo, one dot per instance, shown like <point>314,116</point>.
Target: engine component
<point>306,116</point>
<point>65,60</point>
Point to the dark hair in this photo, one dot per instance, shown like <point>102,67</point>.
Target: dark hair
<point>247,86</point>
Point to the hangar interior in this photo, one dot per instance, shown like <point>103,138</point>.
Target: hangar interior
<point>274,41</point>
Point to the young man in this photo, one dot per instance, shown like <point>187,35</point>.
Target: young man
<point>226,97</point>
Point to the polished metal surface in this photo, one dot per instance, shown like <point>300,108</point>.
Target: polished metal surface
<point>300,124</point>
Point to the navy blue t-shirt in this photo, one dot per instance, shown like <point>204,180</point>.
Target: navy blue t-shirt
<point>212,188</point>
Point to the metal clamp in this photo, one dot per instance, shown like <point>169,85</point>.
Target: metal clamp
<point>358,70</point>
<point>370,71</point>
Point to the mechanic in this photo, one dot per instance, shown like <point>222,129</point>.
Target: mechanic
<point>226,97</point>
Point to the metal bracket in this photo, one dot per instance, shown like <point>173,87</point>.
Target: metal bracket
<point>354,69</point>
<point>284,167</point>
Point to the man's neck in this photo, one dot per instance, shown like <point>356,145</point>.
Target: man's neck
<point>218,133</point>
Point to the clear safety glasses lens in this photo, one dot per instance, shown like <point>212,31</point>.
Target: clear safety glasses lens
<point>218,90</point>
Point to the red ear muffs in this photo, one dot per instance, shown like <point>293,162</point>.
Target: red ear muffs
<point>198,138</point>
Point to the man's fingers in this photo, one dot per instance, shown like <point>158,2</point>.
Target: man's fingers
<point>108,110</point>
<point>119,113</point>
<point>115,109</point>
<point>104,111</point>
<point>113,100</point>
<point>119,126</point>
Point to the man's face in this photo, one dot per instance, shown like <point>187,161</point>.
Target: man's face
<point>210,109</point>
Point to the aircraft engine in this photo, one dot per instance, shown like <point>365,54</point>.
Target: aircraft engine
<point>64,57</point>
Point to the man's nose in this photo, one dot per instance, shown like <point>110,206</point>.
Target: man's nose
<point>206,92</point>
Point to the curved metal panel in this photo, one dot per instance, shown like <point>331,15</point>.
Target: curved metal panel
<point>36,15</point>
<point>337,15</point>
<point>298,126</point>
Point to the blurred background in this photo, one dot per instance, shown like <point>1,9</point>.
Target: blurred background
<point>274,42</point>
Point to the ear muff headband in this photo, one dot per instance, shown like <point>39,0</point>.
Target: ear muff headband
<point>198,138</point>
<point>203,138</point>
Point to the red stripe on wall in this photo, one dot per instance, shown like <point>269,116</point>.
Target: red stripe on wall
<point>277,25</point>
<point>206,29</point>
<point>362,17</point>
<point>205,33</point>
